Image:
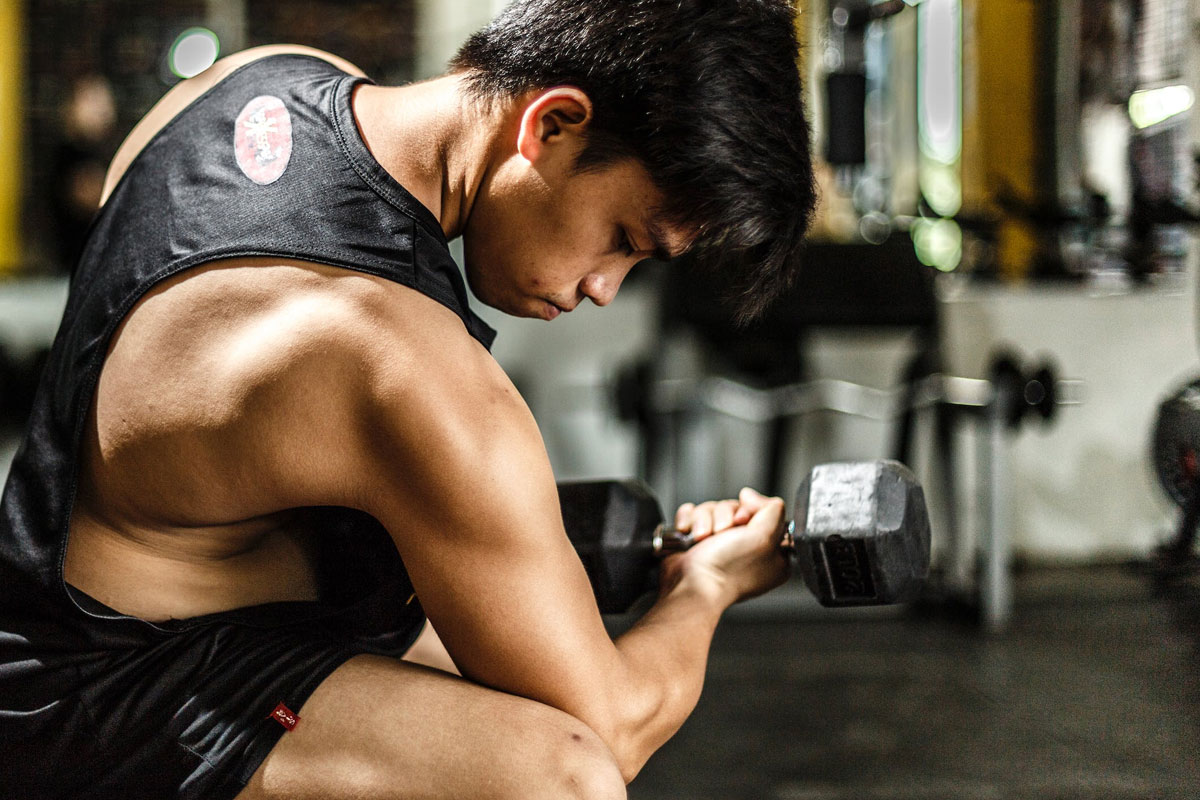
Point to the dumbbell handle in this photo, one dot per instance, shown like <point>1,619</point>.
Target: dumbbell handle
<point>859,535</point>
<point>668,540</point>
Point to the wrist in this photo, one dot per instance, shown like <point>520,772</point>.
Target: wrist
<point>697,587</point>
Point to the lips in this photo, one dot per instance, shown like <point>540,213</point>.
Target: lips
<point>553,310</point>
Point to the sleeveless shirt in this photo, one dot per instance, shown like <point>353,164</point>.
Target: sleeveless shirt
<point>268,162</point>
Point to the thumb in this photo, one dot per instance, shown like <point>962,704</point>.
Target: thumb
<point>749,503</point>
<point>769,516</point>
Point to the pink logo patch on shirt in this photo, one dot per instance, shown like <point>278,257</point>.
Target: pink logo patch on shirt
<point>262,139</point>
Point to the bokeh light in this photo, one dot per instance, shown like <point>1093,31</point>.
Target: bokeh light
<point>194,51</point>
<point>939,243</point>
<point>1153,106</point>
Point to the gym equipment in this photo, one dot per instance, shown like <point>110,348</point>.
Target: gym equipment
<point>1012,392</point>
<point>1176,447</point>
<point>859,535</point>
<point>1176,457</point>
<point>1025,392</point>
<point>1015,392</point>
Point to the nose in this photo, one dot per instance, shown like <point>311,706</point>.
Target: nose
<point>600,286</point>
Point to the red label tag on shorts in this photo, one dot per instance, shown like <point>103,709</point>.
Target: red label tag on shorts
<point>284,716</point>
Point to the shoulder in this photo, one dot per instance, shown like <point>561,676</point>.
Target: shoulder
<point>421,363</point>
<point>439,421</point>
<point>351,382</point>
<point>230,63</point>
<point>184,93</point>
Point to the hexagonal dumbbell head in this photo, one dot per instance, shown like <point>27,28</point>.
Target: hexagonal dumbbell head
<point>611,525</point>
<point>861,533</point>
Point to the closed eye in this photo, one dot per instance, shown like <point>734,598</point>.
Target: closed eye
<point>624,244</point>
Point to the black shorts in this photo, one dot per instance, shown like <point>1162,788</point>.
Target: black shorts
<point>174,714</point>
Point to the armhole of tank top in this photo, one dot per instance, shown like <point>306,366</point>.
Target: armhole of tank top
<point>195,101</point>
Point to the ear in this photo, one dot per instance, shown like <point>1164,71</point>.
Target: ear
<point>552,121</point>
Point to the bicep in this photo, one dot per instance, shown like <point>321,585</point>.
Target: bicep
<point>471,503</point>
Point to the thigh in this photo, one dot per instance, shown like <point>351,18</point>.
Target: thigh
<point>381,728</point>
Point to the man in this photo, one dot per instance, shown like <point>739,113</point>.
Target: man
<point>271,438</point>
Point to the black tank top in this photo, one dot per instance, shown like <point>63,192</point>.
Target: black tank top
<point>268,162</point>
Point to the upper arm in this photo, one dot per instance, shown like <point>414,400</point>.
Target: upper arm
<point>185,92</point>
<point>389,406</point>
<point>465,488</point>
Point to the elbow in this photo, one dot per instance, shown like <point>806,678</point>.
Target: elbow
<point>630,764</point>
<point>639,727</point>
<point>627,753</point>
<point>623,747</point>
<point>634,718</point>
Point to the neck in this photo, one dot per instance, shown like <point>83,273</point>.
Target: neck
<point>433,141</point>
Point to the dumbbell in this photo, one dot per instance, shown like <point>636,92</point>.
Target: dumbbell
<point>1176,443</point>
<point>1176,457</point>
<point>859,535</point>
<point>1024,392</point>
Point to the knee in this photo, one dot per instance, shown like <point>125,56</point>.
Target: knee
<point>574,763</point>
<point>586,768</point>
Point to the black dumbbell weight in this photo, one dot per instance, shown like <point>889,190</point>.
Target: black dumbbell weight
<point>1175,450</point>
<point>1176,456</point>
<point>612,525</point>
<point>859,535</point>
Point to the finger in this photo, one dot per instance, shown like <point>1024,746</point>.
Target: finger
<point>723,515</point>
<point>745,510</point>
<point>683,517</point>
<point>702,520</point>
<point>713,517</point>
<point>751,500</point>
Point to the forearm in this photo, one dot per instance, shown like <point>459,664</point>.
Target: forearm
<point>664,657</point>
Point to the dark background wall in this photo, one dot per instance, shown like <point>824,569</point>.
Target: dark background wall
<point>126,43</point>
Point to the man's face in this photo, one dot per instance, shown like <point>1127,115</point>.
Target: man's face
<point>543,236</point>
<point>541,247</point>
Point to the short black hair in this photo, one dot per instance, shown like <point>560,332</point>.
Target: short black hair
<point>706,94</point>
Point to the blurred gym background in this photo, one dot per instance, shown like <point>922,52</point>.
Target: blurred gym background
<point>1000,290</point>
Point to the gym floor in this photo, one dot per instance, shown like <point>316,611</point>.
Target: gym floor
<point>1093,693</point>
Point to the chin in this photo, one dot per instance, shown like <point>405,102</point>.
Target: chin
<point>520,308</point>
<point>535,310</point>
<point>514,306</point>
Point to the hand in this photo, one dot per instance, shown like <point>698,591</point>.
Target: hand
<point>737,555</point>
<point>718,515</point>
